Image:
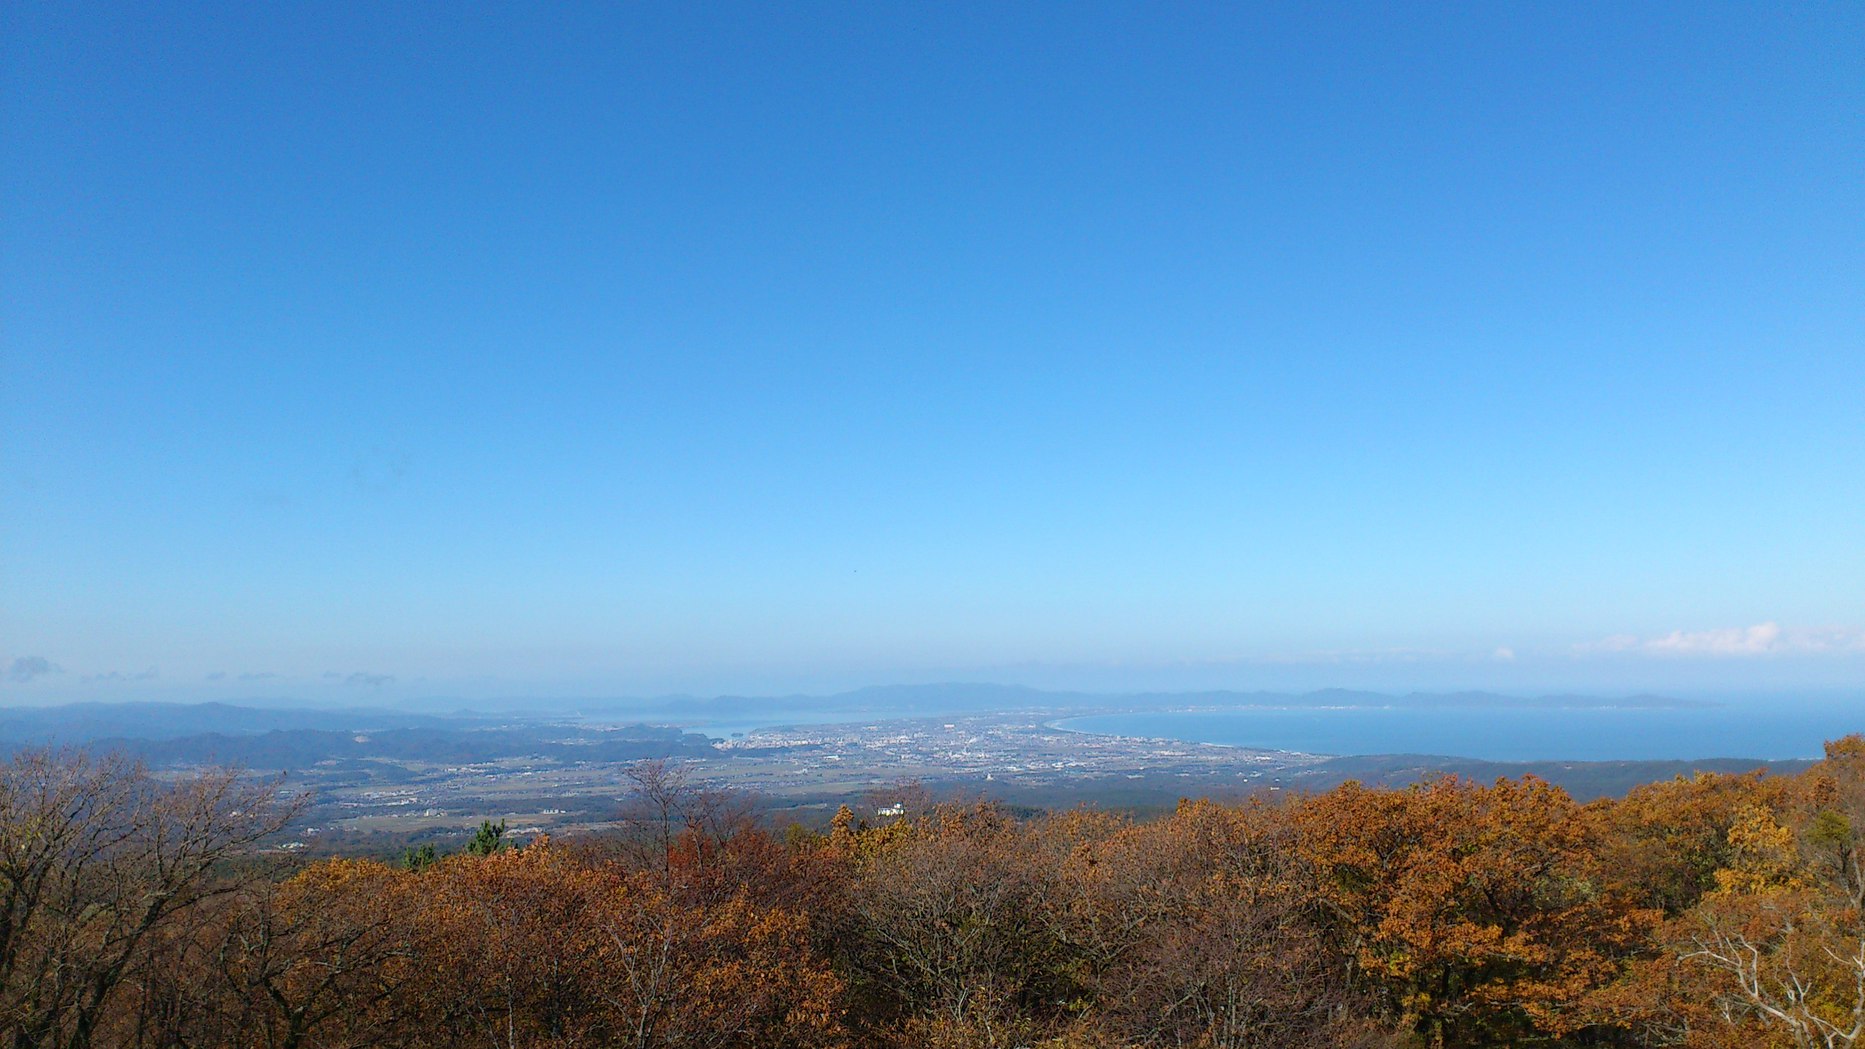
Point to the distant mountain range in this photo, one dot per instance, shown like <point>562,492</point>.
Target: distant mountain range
<point>933,700</point>
<point>86,722</point>
<point>217,733</point>
<point>82,722</point>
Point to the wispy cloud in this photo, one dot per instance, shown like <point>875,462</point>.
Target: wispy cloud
<point>1762,639</point>
<point>368,680</point>
<point>118,675</point>
<point>27,668</point>
<point>1347,656</point>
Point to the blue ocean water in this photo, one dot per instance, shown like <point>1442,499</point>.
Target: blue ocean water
<point>1757,728</point>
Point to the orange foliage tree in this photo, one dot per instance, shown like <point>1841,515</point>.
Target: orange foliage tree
<point>1774,954</point>
<point>1481,912</point>
<point>531,947</point>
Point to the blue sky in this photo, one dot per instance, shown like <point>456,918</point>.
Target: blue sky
<point>395,350</point>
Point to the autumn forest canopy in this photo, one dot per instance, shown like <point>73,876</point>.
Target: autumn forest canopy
<point>1714,911</point>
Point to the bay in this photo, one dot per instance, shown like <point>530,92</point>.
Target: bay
<point>1757,728</point>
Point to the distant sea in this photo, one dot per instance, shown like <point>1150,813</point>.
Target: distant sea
<point>1752,728</point>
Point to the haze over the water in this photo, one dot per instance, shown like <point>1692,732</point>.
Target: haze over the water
<point>381,352</point>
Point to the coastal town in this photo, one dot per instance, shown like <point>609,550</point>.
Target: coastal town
<point>799,773</point>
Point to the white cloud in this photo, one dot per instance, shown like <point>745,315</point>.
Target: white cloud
<point>1759,639</point>
<point>1503,654</point>
<point>1762,639</point>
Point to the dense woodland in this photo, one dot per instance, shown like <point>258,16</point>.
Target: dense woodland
<point>1718,911</point>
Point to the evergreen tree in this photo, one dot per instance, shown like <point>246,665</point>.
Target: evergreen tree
<point>489,839</point>
<point>419,859</point>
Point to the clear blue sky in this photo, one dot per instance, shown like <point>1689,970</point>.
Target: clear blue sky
<point>503,350</point>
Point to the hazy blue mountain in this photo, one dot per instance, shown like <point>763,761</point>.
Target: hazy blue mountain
<point>464,745</point>
<point>83,722</point>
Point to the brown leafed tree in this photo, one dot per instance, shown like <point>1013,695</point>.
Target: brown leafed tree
<point>99,861</point>
<point>321,959</point>
<point>949,935</point>
<point>1210,933</point>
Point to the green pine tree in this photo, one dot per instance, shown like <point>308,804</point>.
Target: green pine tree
<point>419,859</point>
<point>489,839</point>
